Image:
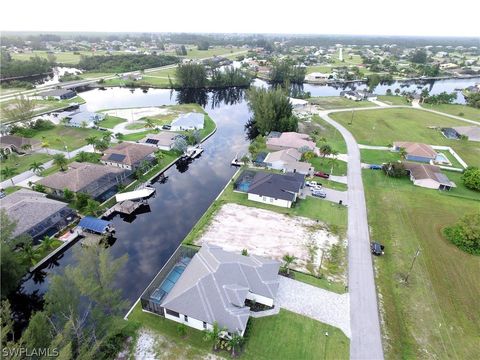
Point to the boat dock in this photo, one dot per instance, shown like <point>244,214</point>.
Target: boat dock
<point>192,152</point>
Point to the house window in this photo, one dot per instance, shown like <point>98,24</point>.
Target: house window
<point>185,318</point>
<point>204,325</point>
<point>172,313</point>
<point>264,198</point>
<point>271,200</point>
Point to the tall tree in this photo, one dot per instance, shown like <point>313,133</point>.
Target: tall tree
<point>191,76</point>
<point>60,160</point>
<point>21,109</point>
<point>289,260</point>
<point>8,173</point>
<point>37,167</point>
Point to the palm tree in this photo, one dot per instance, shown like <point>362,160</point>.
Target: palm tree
<point>47,243</point>
<point>29,253</point>
<point>213,335</point>
<point>92,140</point>
<point>403,152</point>
<point>235,342</point>
<point>60,160</point>
<point>92,207</point>
<point>101,145</point>
<point>149,124</point>
<point>82,156</point>
<point>8,173</point>
<point>332,161</point>
<point>289,260</point>
<point>325,149</point>
<point>159,155</point>
<point>36,167</point>
<point>45,145</point>
<point>26,147</point>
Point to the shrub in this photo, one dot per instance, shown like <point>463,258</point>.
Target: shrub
<point>471,178</point>
<point>466,233</point>
<point>394,169</point>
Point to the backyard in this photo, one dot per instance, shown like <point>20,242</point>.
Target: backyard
<point>111,121</point>
<point>338,102</point>
<point>383,127</point>
<point>61,136</point>
<point>467,112</point>
<point>394,100</point>
<point>22,163</point>
<point>436,314</point>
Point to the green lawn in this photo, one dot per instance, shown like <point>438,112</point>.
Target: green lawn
<point>384,126</point>
<point>111,121</point>
<point>322,283</point>
<point>94,75</point>
<point>322,164</point>
<point>325,69</point>
<point>436,315</point>
<point>329,184</point>
<point>163,73</point>
<point>62,135</point>
<point>338,102</point>
<point>135,126</point>
<point>138,135</point>
<point>332,135</point>
<point>67,57</point>
<point>11,189</point>
<point>267,338</point>
<point>378,156</point>
<point>22,163</point>
<point>394,100</point>
<point>194,53</point>
<point>456,109</point>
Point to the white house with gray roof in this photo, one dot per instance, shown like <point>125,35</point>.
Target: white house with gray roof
<point>85,119</point>
<point>189,121</point>
<point>215,285</point>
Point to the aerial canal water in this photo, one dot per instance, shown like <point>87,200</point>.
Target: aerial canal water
<point>150,237</point>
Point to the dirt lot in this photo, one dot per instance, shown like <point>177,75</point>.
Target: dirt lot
<point>268,234</point>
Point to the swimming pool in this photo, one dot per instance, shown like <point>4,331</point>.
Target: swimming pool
<point>442,159</point>
<point>167,285</point>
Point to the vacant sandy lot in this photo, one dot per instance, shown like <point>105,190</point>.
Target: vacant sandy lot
<point>266,233</point>
<point>135,114</point>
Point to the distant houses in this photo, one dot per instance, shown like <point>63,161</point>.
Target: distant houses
<point>85,119</point>
<point>35,214</point>
<point>288,161</point>
<point>18,144</point>
<point>359,95</point>
<point>416,151</point>
<point>92,179</point>
<point>128,155</point>
<point>317,77</point>
<point>58,94</point>
<point>428,176</point>
<point>189,121</point>
<point>290,140</point>
<point>471,133</point>
<point>213,286</point>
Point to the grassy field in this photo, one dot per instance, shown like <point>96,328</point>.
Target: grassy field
<point>67,57</point>
<point>321,164</point>
<point>338,102</point>
<point>135,126</point>
<point>383,127</point>
<point>378,156</point>
<point>138,135</point>
<point>436,314</point>
<point>325,69</point>
<point>267,338</point>
<point>394,100</point>
<point>111,121</point>
<point>456,109</point>
<point>62,135</point>
<point>194,53</point>
<point>332,135</point>
<point>22,163</point>
<point>164,73</point>
<point>322,283</point>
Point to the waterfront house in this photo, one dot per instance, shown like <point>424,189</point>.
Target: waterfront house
<point>92,179</point>
<point>189,121</point>
<point>276,189</point>
<point>416,151</point>
<point>428,176</point>
<point>217,286</point>
<point>85,119</point>
<point>358,95</point>
<point>164,140</point>
<point>298,104</point>
<point>128,155</point>
<point>472,133</point>
<point>290,140</point>
<point>288,161</point>
<point>18,144</point>
<point>35,214</point>
<point>317,77</point>
<point>58,94</point>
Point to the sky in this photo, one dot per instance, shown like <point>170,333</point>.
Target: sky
<point>367,17</point>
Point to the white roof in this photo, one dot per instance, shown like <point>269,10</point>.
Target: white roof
<point>132,195</point>
<point>295,101</point>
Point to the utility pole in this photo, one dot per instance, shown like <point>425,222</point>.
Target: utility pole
<point>413,262</point>
<point>351,120</point>
<point>326,343</point>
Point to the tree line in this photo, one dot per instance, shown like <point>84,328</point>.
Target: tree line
<point>285,71</point>
<point>125,62</point>
<point>11,68</point>
<point>196,76</point>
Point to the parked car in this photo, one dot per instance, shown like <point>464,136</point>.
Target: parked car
<point>377,249</point>
<point>311,183</point>
<point>375,167</point>
<point>322,174</point>
<point>166,127</point>
<point>319,193</point>
<point>316,187</point>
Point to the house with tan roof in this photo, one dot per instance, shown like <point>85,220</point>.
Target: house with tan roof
<point>18,144</point>
<point>288,161</point>
<point>290,140</point>
<point>164,140</point>
<point>472,133</point>
<point>92,179</point>
<point>428,176</point>
<point>127,155</point>
<point>416,151</point>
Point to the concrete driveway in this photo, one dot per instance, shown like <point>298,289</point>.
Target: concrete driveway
<point>332,195</point>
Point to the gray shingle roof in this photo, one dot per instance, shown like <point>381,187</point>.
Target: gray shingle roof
<point>29,208</point>
<point>215,284</point>
<point>277,186</point>
<point>132,153</point>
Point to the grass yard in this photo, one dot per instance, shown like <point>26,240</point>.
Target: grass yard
<point>163,73</point>
<point>323,164</point>
<point>22,163</point>
<point>394,100</point>
<point>338,102</point>
<point>67,57</point>
<point>111,121</point>
<point>436,315</point>
<point>11,189</point>
<point>384,126</point>
<point>333,136</point>
<point>468,112</point>
<point>62,135</point>
<point>325,69</point>
<point>267,338</point>
<point>135,126</point>
<point>138,135</point>
<point>322,283</point>
<point>378,156</point>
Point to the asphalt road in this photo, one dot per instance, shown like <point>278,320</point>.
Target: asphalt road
<point>366,340</point>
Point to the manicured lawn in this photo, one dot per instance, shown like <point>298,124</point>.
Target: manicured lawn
<point>163,73</point>
<point>135,126</point>
<point>111,121</point>
<point>394,100</point>
<point>325,69</point>
<point>332,135</point>
<point>11,189</point>
<point>378,156</point>
<point>437,312</point>
<point>322,164</point>
<point>461,190</point>
<point>267,338</point>
<point>329,184</point>
<point>338,102</point>
<point>62,135</point>
<point>322,283</point>
<point>208,127</point>
<point>138,135</point>
<point>22,163</point>
<point>384,126</point>
<point>456,109</point>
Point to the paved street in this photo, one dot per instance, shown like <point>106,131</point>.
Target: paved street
<point>366,340</point>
